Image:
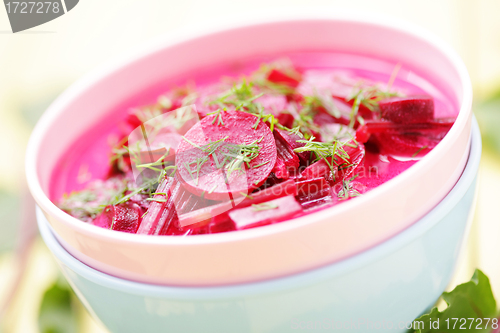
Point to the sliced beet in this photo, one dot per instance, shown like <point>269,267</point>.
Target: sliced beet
<point>287,160</point>
<point>285,119</point>
<point>105,219</point>
<point>206,175</point>
<point>318,169</point>
<point>435,129</point>
<point>408,110</point>
<point>356,156</point>
<point>207,213</point>
<point>315,200</point>
<point>330,132</point>
<point>162,146</point>
<point>342,167</point>
<point>221,223</point>
<point>158,211</point>
<point>362,110</point>
<point>125,217</point>
<point>290,140</point>
<point>280,77</point>
<point>407,145</point>
<point>265,213</point>
<point>311,186</point>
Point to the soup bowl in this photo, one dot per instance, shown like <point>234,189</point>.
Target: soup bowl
<point>381,289</point>
<point>267,252</point>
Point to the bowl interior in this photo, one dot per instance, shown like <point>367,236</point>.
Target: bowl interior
<point>87,107</point>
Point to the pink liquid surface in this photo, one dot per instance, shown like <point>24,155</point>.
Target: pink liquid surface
<point>88,157</point>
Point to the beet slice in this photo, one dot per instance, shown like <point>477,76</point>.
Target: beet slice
<point>342,167</point>
<point>162,146</point>
<point>315,200</point>
<point>290,140</point>
<point>408,110</point>
<point>203,215</point>
<point>287,160</point>
<point>362,110</point>
<point>311,186</point>
<point>356,156</point>
<point>125,217</point>
<point>221,223</point>
<point>265,213</point>
<point>205,174</point>
<point>318,169</point>
<point>407,145</point>
<point>436,128</point>
<point>280,77</point>
<point>158,211</point>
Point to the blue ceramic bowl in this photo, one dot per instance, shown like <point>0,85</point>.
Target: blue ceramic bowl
<point>382,289</point>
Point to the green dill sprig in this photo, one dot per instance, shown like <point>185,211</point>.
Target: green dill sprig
<point>259,77</point>
<point>239,154</point>
<point>348,191</point>
<point>328,151</point>
<point>419,150</point>
<point>264,206</point>
<point>369,97</point>
<point>157,165</point>
<point>241,96</point>
<point>218,117</point>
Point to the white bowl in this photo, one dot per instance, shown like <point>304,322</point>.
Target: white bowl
<point>276,250</point>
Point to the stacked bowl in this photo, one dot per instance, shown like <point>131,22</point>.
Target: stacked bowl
<point>372,263</point>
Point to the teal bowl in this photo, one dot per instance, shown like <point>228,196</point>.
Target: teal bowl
<point>383,288</point>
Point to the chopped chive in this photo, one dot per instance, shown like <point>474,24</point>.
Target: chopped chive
<point>418,151</point>
<point>246,195</point>
<point>191,143</point>
<point>212,189</point>
<point>259,165</point>
<point>157,199</point>
<point>264,206</point>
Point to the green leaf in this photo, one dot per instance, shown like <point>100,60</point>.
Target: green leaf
<point>57,313</point>
<point>467,304</point>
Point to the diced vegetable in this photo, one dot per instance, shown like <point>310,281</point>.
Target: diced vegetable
<point>278,76</point>
<point>287,160</point>
<point>316,200</point>
<point>124,217</point>
<point>276,144</point>
<point>206,214</point>
<point>159,212</point>
<point>319,169</point>
<point>435,128</point>
<point>408,110</point>
<point>290,140</point>
<point>226,154</point>
<point>265,213</point>
<point>311,186</point>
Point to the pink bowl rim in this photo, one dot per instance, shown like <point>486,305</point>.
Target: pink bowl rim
<point>58,107</point>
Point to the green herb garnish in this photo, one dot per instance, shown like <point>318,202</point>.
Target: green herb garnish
<point>348,191</point>
<point>264,206</point>
<point>419,150</point>
<point>471,307</point>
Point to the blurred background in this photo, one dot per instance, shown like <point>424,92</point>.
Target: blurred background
<point>38,64</point>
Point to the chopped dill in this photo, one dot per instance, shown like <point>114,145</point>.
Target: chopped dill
<point>348,191</point>
<point>264,206</point>
<point>246,195</point>
<point>419,150</point>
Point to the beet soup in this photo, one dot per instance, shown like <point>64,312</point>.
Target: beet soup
<point>252,143</point>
